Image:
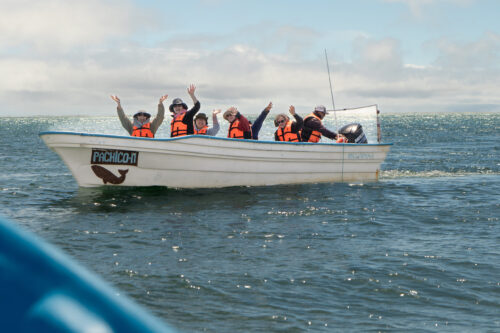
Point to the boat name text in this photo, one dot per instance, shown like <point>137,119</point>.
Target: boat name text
<point>360,156</point>
<point>111,156</point>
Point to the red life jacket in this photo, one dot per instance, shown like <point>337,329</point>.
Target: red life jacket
<point>143,131</point>
<point>202,131</point>
<point>315,136</point>
<point>177,127</point>
<point>286,133</point>
<point>235,132</point>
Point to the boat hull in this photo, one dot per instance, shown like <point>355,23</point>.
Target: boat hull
<point>210,162</point>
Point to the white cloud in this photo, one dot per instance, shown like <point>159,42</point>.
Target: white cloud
<point>419,8</point>
<point>416,6</point>
<point>463,74</point>
<point>376,53</point>
<point>243,76</point>
<point>483,53</point>
<point>49,25</point>
<point>52,78</point>
<point>414,66</point>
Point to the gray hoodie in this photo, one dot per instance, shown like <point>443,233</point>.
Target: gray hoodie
<point>129,126</point>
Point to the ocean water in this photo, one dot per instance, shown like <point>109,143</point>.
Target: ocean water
<point>417,251</point>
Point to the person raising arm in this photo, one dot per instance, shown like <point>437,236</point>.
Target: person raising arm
<point>182,119</point>
<point>288,130</point>
<point>257,124</point>
<point>239,127</point>
<point>201,124</point>
<point>141,126</point>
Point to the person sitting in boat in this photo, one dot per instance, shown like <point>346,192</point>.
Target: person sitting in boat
<point>313,126</point>
<point>257,124</point>
<point>141,126</point>
<point>288,130</point>
<point>182,119</point>
<point>201,124</point>
<point>239,127</point>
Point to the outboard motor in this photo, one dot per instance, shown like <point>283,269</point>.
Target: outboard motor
<point>354,133</point>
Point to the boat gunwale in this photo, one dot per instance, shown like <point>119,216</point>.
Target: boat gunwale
<point>206,137</point>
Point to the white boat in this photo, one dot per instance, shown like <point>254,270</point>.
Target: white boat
<point>197,161</point>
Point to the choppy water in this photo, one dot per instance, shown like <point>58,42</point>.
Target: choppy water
<point>417,251</point>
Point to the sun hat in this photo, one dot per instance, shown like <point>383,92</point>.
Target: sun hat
<point>177,101</point>
<point>142,113</point>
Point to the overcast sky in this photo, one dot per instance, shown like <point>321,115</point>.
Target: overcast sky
<point>61,57</point>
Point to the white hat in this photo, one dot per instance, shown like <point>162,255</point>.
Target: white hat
<point>321,108</point>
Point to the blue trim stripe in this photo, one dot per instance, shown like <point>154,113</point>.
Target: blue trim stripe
<point>209,138</point>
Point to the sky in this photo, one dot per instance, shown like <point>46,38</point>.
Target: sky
<point>62,57</point>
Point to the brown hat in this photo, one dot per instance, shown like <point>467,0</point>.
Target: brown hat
<point>201,116</point>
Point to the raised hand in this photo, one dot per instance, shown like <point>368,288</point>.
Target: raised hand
<point>269,106</point>
<point>116,99</point>
<point>163,98</point>
<point>191,89</point>
<point>215,112</point>
<point>292,110</point>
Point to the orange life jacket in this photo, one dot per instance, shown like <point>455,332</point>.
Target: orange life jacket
<point>286,133</point>
<point>235,132</point>
<point>177,127</point>
<point>202,131</point>
<point>315,135</point>
<point>143,131</point>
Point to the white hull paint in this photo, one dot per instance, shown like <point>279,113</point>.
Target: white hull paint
<point>208,162</point>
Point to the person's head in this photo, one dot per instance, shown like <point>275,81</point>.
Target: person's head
<point>201,120</point>
<point>320,111</point>
<point>230,114</point>
<point>142,116</point>
<point>281,120</point>
<point>177,106</point>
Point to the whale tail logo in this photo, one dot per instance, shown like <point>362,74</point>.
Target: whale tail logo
<point>107,176</point>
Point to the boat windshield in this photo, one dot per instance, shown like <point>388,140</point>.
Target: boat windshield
<point>366,116</point>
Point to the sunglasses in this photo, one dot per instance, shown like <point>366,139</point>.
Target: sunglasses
<point>281,121</point>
